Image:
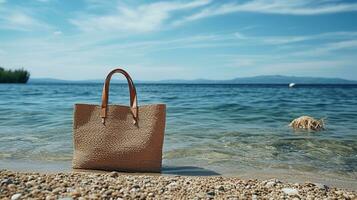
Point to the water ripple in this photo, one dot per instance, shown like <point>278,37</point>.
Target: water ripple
<point>227,127</point>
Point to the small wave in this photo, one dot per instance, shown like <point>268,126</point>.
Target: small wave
<point>19,138</point>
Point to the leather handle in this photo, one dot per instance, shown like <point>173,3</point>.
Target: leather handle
<point>132,91</point>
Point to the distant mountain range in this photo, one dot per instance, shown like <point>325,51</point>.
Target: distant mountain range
<point>269,79</point>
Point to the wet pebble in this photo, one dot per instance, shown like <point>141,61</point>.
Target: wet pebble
<point>290,191</point>
<point>270,184</point>
<point>321,186</point>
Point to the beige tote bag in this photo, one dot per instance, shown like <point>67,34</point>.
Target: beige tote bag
<point>116,137</point>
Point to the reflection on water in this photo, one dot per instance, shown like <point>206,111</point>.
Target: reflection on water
<point>224,128</point>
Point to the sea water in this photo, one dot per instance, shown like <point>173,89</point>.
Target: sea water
<point>237,130</point>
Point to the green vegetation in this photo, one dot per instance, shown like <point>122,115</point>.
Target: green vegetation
<point>14,76</point>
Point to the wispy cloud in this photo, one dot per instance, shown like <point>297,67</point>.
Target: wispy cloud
<point>292,7</point>
<point>252,65</point>
<point>301,68</point>
<point>20,20</point>
<point>144,18</point>
<point>288,39</point>
<point>96,35</point>
<point>57,33</point>
<point>43,1</point>
<point>80,47</point>
<point>329,48</point>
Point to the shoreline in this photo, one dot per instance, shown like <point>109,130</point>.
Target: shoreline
<point>91,185</point>
<point>349,183</point>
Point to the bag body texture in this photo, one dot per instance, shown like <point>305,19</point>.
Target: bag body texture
<point>117,137</point>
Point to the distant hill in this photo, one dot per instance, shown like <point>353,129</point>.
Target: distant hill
<point>277,79</point>
<point>47,80</point>
<point>269,79</point>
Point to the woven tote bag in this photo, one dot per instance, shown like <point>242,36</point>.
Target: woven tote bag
<point>117,137</point>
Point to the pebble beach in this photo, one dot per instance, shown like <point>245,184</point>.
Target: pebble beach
<point>114,185</point>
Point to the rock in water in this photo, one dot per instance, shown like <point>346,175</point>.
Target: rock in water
<point>307,123</point>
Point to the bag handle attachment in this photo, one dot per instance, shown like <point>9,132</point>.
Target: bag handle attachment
<point>132,91</point>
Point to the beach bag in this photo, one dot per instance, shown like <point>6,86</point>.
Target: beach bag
<point>117,137</point>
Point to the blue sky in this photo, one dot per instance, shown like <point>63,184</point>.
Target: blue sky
<point>155,40</point>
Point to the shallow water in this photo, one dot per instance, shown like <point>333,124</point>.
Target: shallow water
<point>225,129</point>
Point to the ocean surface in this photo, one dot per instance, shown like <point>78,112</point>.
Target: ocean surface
<point>234,130</point>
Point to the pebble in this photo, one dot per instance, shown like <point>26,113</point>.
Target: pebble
<point>56,190</point>
<point>6,181</point>
<point>338,192</point>
<point>11,186</point>
<point>254,197</point>
<point>290,191</point>
<point>113,185</point>
<point>270,184</point>
<point>66,198</point>
<point>51,197</point>
<point>114,174</point>
<point>221,188</point>
<point>211,193</point>
<point>133,190</point>
<point>321,186</point>
<point>16,196</point>
<point>75,193</point>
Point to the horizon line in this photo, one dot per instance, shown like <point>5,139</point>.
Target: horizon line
<point>198,79</point>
